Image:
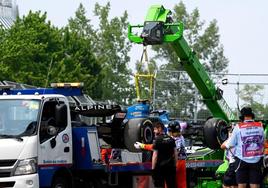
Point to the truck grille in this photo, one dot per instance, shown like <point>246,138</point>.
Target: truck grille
<point>5,163</point>
<point>7,184</point>
<point>5,170</point>
<point>4,175</point>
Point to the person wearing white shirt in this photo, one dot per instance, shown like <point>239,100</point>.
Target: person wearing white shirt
<point>247,138</point>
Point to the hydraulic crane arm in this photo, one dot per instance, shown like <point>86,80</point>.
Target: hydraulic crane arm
<point>159,28</point>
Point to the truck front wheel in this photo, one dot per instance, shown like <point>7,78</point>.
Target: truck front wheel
<point>96,183</point>
<point>60,182</point>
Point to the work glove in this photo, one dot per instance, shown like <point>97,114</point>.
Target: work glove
<point>265,161</point>
<point>139,145</point>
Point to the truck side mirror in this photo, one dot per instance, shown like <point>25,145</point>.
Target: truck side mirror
<point>61,115</point>
<point>51,130</point>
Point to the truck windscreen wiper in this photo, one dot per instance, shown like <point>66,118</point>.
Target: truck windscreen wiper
<point>11,136</point>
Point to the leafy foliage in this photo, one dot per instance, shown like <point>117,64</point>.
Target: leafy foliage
<point>252,96</point>
<point>37,53</point>
<point>111,46</point>
<point>79,62</point>
<point>27,49</point>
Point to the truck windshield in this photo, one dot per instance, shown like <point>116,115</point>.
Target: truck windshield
<point>18,117</point>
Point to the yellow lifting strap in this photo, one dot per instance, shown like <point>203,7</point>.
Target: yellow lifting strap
<point>143,93</point>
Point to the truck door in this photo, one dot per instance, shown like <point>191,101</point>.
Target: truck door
<point>55,148</point>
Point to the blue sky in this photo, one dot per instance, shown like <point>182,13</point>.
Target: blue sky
<point>243,24</point>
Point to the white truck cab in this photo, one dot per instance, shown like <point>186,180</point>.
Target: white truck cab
<point>35,138</point>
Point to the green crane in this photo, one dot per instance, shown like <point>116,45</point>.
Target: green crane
<point>158,29</point>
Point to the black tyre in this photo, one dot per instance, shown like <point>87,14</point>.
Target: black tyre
<point>215,132</point>
<point>95,184</point>
<point>60,182</point>
<point>138,130</point>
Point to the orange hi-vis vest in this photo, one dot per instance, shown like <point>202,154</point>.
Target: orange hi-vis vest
<point>265,152</point>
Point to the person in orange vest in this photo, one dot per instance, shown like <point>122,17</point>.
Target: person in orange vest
<point>266,151</point>
<point>248,139</point>
<point>174,130</point>
<point>106,154</point>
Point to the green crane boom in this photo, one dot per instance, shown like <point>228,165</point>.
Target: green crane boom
<point>158,29</point>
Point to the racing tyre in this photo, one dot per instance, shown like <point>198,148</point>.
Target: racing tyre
<point>138,130</point>
<point>215,132</point>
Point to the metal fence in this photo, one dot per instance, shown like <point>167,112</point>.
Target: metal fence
<point>174,91</point>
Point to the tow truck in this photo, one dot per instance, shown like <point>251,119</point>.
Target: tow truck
<point>51,137</point>
<point>158,29</point>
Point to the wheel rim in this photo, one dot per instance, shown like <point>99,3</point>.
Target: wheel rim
<point>59,185</point>
<point>222,131</point>
<point>148,135</point>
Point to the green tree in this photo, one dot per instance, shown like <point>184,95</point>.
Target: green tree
<point>78,61</point>
<point>27,49</point>
<point>37,53</point>
<point>111,47</point>
<point>205,41</point>
<point>77,64</point>
<point>252,95</point>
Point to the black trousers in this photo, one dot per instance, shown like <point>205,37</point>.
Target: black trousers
<point>250,173</point>
<point>162,175</point>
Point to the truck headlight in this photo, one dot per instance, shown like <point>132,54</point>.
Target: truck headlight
<point>26,166</point>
